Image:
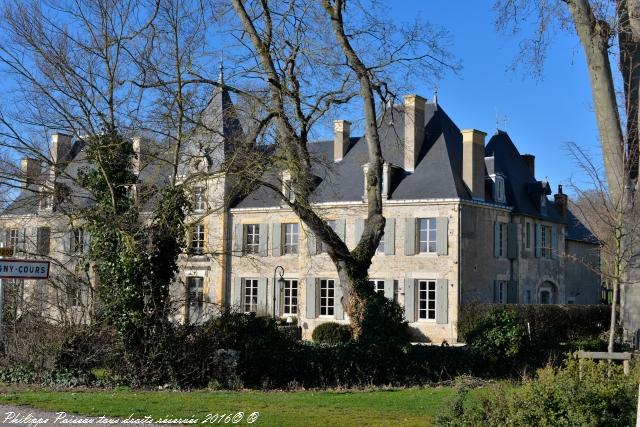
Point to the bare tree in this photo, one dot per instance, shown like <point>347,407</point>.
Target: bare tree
<point>599,24</point>
<point>310,73</point>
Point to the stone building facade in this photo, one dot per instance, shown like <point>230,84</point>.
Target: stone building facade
<point>466,221</point>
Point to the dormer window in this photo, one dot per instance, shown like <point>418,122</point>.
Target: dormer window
<point>384,185</point>
<point>499,192</point>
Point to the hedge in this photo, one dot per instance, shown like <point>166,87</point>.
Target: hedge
<point>548,325</point>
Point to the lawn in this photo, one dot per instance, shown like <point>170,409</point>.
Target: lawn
<point>405,407</point>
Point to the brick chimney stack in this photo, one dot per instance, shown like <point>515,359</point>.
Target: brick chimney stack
<point>414,107</point>
<point>341,138</point>
<point>530,160</point>
<point>561,202</point>
<point>473,162</point>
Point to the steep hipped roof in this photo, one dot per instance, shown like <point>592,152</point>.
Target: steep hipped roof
<point>437,175</point>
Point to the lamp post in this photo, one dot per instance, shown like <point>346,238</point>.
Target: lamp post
<point>280,285</point>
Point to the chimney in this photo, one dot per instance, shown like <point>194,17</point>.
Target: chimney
<point>60,149</point>
<point>473,162</point>
<point>341,135</point>
<point>561,202</point>
<point>30,171</point>
<point>137,160</point>
<point>530,160</point>
<point>414,106</point>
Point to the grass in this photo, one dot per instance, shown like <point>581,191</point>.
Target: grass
<point>405,407</point>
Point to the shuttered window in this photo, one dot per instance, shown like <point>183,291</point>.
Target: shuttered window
<point>14,238</point>
<point>290,238</point>
<point>427,239</point>
<point>250,300</point>
<point>327,297</point>
<point>195,299</point>
<point>427,299</point>
<point>290,301</point>
<point>251,238</point>
<point>77,240</point>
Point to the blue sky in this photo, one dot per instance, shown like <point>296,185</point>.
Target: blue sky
<point>541,115</point>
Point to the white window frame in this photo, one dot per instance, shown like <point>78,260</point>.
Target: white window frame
<point>430,239</point>
<point>197,239</point>
<point>14,238</point>
<point>195,296</point>
<point>291,238</point>
<point>251,238</point>
<point>199,199</point>
<point>290,295</point>
<point>378,285</point>
<point>249,296</point>
<point>426,290</point>
<point>77,241</point>
<point>327,297</point>
<point>502,234</point>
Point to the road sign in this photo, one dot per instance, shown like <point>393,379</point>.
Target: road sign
<point>23,269</point>
<point>6,251</point>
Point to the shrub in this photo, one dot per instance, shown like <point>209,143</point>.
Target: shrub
<point>17,374</point>
<point>549,324</point>
<point>499,337</point>
<point>597,394</point>
<point>332,333</point>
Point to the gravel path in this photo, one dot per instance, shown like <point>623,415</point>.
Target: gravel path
<point>14,415</point>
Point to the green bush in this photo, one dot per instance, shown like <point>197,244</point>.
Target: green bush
<point>597,394</point>
<point>499,337</point>
<point>549,325</point>
<point>17,374</point>
<point>332,333</point>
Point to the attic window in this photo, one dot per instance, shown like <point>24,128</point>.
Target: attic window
<point>384,185</point>
<point>499,194</point>
<point>287,187</point>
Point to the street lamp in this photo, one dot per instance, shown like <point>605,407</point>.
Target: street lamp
<point>280,285</point>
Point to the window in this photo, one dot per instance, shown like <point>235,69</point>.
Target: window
<point>74,292</point>
<point>332,225</point>
<point>327,289</point>
<point>426,235</point>
<point>197,239</point>
<point>290,238</point>
<point>77,241</point>
<point>545,244</point>
<point>499,190</point>
<point>500,292</point>
<point>43,240</point>
<point>427,299</point>
<point>251,238</point>
<point>528,296</point>
<point>14,238</point>
<point>199,199</point>
<point>250,303</point>
<point>46,202</point>
<point>288,191</point>
<point>378,285</point>
<point>195,299</point>
<point>501,237</point>
<point>290,301</point>
<point>528,235</point>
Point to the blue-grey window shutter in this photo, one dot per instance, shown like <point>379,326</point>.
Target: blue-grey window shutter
<point>276,240</point>
<point>496,239</point>
<point>358,228</point>
<point>388,288</point>
<point>68,242</point>
<point>311,297</point>
<point>442,235</point>
<point>512,292</point>
<point>442,301</point>
<point>3,238</point>
<point>338,310</point>
<point>262,297</point>
<point>340,228</point>
<point>238,237</point>
<point>496,291</point>
<point>86,243</point>
<point>538,241</point>
<point>554,241</point>
<point>390,237</point>
<point>237,294</point>
<point>410,299</point>
<point>410,236</point>
<point>512,240</point>
<point>262,244</point>
<point>312,243</point>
